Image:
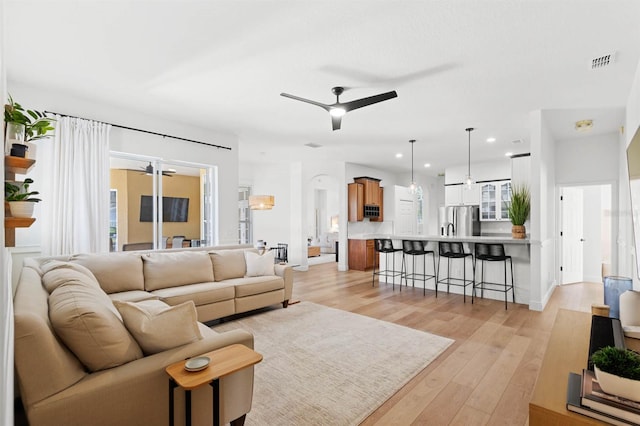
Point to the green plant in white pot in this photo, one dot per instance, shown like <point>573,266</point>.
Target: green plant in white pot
<point>24,125</point>
<point>618,371</point>
<point>519,208</point>
<point>20,199</point>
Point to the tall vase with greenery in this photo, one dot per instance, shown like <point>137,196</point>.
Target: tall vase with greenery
<point>519,209</point>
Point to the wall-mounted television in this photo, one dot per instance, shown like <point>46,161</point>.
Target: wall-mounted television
<point>174,209</point>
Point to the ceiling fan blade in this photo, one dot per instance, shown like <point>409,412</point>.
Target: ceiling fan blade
<point>297,98</point>
<point>335,122</point>
<point>359,103</point>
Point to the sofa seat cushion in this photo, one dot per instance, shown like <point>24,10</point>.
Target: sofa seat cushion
<point>201,293</point>
<point>158,327</point>
<point>164,270</point>
<point>132,296</point>
<point>87,322</point>
<point>115,272</point>
<point>255,285</point>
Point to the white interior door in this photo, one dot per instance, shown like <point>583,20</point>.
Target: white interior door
<point>406,217</point>
<point>572,235</point>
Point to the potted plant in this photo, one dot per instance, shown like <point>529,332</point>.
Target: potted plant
<point>519,209</point>
<point>24,126</point>
<point>618,371</point>
<point>20,199</point>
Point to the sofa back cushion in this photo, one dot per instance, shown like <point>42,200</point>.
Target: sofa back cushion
<point>56,272</point>
<point>163,270</point>
<point>87,322</point>
<point>115,272</point>
<point>44,366</point>
<point>228,264</point>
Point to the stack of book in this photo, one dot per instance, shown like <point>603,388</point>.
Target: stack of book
<point>585,396</point>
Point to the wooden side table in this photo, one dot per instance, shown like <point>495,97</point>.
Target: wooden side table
<point>313,251</point>
<point>224,361</point>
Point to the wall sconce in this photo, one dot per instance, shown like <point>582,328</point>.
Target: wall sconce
<point>261,202</point>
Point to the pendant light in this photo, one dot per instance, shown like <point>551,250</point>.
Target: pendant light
<point>412,185</point>
<point>469,181</point>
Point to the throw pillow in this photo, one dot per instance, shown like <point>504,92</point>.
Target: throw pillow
<point>228,264</point>
<point>257,265</point>
<point>157,326</point>
<point>87,322</point>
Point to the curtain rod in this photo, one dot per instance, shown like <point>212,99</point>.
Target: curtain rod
<point>145,131</point>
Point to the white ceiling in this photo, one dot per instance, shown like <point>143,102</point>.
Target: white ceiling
<point>455,64</point>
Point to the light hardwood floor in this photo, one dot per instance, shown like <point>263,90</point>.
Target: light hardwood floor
<point>486,377</point>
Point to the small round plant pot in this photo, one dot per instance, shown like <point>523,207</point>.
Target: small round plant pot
<point>19,150</point>
<point>21,208</point>
<point>619,386</point>
<point>518,232</point>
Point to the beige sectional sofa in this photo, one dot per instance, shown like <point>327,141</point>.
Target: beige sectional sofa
<point>76,362</point>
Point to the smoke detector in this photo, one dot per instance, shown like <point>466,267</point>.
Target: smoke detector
<point>584,125</point>
<point>603,61</point>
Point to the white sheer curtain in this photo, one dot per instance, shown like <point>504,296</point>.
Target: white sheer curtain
<point>75,214</point>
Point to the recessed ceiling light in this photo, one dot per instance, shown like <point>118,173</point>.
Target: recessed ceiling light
<point>427,165</point>
<point>399,155</point>
<point>584,125</point>
<point>491,140</point>
<point>508,154</point>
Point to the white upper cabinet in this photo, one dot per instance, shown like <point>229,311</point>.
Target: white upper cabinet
<point>494,200</point>
<point>458,195</point>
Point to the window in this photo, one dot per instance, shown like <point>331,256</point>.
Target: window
<point>155,200</point>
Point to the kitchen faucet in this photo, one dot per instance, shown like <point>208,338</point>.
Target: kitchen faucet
<point>453,229</point>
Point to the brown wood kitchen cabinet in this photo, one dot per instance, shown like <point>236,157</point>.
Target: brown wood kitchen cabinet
<point>365,199</point>
<point>361,254</point>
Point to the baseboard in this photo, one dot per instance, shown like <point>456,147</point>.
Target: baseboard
<point>539,306</point>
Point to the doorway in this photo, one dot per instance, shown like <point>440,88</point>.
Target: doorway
<point>586,231</point>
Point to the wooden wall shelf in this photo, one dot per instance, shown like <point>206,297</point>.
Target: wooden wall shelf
<point>10,225</point>
<point>18,165</point>
<point>13,166</point>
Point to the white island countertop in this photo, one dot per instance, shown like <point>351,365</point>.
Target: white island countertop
<point>503,239</point>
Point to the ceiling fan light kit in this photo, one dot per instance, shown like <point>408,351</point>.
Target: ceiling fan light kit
<point>339,109</point>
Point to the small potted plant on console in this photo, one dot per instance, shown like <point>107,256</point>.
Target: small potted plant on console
<point>618,371</point>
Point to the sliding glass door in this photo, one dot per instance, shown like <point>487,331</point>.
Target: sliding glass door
<point>161,203</point>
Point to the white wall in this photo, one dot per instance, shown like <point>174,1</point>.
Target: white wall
<point>588,159</point>
<point>542,219</point>
<point>6,306</point>
<point>626,260</point>
<point>140,143</point>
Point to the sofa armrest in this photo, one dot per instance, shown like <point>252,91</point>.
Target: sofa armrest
<point>286,272</point>
<point>139,390</point>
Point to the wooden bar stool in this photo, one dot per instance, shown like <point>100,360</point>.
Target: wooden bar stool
<point>494,253</point>
<point>455,250</point>
<point>385,246</point>
<point>413,249</point>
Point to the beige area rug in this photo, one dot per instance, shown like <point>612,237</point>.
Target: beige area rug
<point>324,366</point>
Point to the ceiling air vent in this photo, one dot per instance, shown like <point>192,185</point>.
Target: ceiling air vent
<point>603,61</point>
<point>312,145</point>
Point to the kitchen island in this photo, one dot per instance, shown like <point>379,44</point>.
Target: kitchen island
<point>518,249</point>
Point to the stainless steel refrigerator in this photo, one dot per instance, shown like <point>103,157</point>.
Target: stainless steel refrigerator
<point>459,221</point>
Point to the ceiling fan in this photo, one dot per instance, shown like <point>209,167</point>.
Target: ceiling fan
<point>338,109</point>
<point>149,170</point>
